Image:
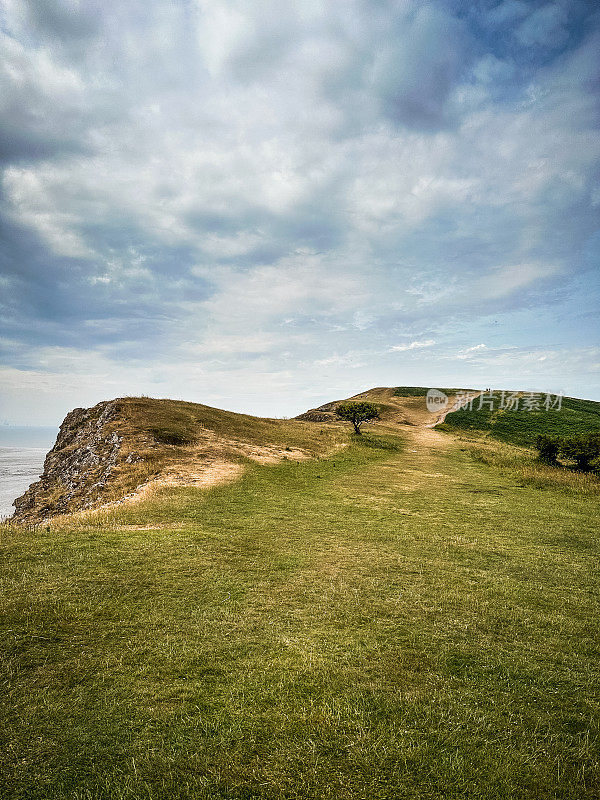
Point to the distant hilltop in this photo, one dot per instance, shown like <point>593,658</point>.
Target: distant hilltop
<point>404,405</point>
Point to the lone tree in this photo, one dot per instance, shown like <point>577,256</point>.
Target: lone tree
<point>357,413</point>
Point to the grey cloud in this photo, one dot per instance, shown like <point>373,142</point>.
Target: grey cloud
<point>39,121</point>
<point>63,20</point>
<point>419,66</point>
<point>546,27</point>
<point>507,13</point>
<point>18,144</point>
<point>73,302</point>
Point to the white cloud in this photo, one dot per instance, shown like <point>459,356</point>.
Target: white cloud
<point>348,361</point>
<point>304,283</point>
<point>469,352</point>
<point>506,280</point>
<point>416,345</point>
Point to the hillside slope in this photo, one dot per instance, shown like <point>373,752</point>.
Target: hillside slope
<point>105,453</point>
<point>128,445</point>
<point>406,405</point>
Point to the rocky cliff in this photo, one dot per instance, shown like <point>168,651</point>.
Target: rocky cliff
<point>84,464</point>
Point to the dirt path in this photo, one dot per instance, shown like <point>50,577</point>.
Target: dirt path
<point>424,445</point>
<point>459,403</point>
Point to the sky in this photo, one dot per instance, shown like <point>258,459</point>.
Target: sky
<point>263,206</point>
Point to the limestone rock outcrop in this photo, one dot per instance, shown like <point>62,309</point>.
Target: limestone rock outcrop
<point>79,466</point>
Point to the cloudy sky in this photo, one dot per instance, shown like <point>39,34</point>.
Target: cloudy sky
<point>262,205</point>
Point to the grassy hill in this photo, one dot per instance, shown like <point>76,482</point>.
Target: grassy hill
<point>521,427</point>
<point>390,619</point>
<point>106,452</point>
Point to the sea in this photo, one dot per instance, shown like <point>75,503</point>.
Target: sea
<point>22,454</point>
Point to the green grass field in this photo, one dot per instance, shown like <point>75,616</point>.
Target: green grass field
<point>400,620</point>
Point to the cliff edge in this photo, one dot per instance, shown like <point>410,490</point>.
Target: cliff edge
<point>88,458</point>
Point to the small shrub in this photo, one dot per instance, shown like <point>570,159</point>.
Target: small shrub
<point>172,436</point>
<point>583,450</point>
<point>547,447</point>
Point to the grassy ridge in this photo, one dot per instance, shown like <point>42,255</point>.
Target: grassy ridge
<point>178,422</point>
<point>421,391</point>
<point>522,427</point>
<point>385,623</point>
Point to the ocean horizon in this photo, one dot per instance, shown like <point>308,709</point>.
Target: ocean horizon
<point>22,452</point>
<point>19,468</point>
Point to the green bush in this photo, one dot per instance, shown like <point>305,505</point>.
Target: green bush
<point>520,427</point>
<point>548,447</point>
<point>583,450</point>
